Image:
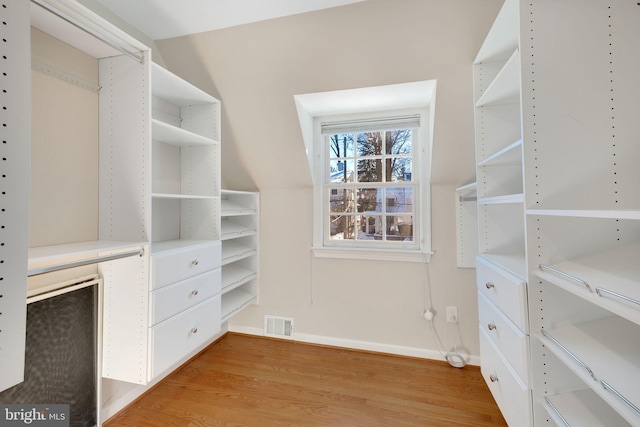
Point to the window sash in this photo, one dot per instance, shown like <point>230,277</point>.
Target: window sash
<point>332,192</point>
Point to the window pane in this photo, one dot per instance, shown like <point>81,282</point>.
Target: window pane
<point>370,143</point>
<point>341,171</point>
<point>341,200</point>
<point>367,200</point>
<point>341,145</point>
<point>398,141</point>
<point>341,227</point>
<point>399,199</point>
<point>400,228</point>
<point>369,227</point>
<point>370,170</point>
<point>399,169</point>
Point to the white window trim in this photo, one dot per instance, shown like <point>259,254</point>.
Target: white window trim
<point>409,97</point>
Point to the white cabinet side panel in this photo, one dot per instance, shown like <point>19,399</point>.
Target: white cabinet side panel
<point>125,153</point>
<point>15,134</point>
<point>125,319</point>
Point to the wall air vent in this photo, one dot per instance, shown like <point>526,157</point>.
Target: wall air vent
<point>277,326</point>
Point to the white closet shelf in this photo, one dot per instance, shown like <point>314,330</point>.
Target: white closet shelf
<point>232,230</point>
<point>230,208</point>
<point>514,263</point>
<point>173,135</point>
<point>509,155</point>
<point>604,354</point>
<point>181,196</point>
<point>503,37</point>
<point>57,254</point>
<point>582,408</point>
<point>234,251</point>
<point>234,301</point>
<point>505,88</point>
<point>172,88</point>
<point>234,276</point>
<point>609,279</point>
<point>633,214</point>
<point>502,200</point>
<point>176,245</point>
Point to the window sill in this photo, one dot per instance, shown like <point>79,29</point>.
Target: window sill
<point>372,254</point>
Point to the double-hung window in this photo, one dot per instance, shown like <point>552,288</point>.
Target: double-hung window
<point>368,183</point>
<point>372,184</point>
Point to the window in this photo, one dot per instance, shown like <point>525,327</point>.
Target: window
<point>370,194</point>
<point>369,153</point>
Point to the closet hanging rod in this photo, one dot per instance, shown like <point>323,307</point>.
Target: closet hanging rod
<point>89,261</point>
<point>62,15</point>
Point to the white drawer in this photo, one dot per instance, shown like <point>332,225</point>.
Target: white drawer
<point>174,265</point>
<point>507,291</point>
<point>512,343</point>
<point>173,339</point>
<point>513,397</point>
<point>170,300</point>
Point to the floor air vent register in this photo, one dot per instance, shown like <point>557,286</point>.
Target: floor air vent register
<point>277,326</point>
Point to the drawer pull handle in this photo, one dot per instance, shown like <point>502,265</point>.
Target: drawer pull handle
<point>552,406</point>
<point>573,356</point>
<point>601,291</point>
<point>619,395</point>
<point>195,262</point>
<point>194,330</point>
<point>493,378</point>
<point>557,272</point>
<point>194,292</point>
<point>491,326</point>
<point>489,285</point>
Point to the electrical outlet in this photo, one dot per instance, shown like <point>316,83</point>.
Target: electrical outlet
<point>452,314</point>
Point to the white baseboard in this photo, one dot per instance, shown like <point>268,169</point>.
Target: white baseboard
<point>359,345</point>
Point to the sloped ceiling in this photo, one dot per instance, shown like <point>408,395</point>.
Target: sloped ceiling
<point>162,19</point>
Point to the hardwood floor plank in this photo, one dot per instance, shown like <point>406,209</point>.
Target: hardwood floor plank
<point>245,380</point>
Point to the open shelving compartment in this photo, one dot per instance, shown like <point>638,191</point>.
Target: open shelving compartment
<point>121,228</point>
<point>239,225</point>
<point>185,162</point>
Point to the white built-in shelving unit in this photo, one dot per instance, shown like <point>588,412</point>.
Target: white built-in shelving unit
<point>158,246</point>
<point>572,236</point>
<point>240,231</point>
<point>178,309</point>
<point>501,261</point>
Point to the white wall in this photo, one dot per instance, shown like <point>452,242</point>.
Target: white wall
<point>256,69</point>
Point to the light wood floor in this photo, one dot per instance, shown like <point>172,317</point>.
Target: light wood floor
<point>252,381</point>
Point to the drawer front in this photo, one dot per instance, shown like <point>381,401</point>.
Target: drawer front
<point>506,291</point>
<point>510,341</point>
<point>512,397</point>
<point>177,336</point>
<point>170,300</point>
<point>176,265</point>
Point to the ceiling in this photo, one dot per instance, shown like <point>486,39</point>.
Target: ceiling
<point>162,19</point>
